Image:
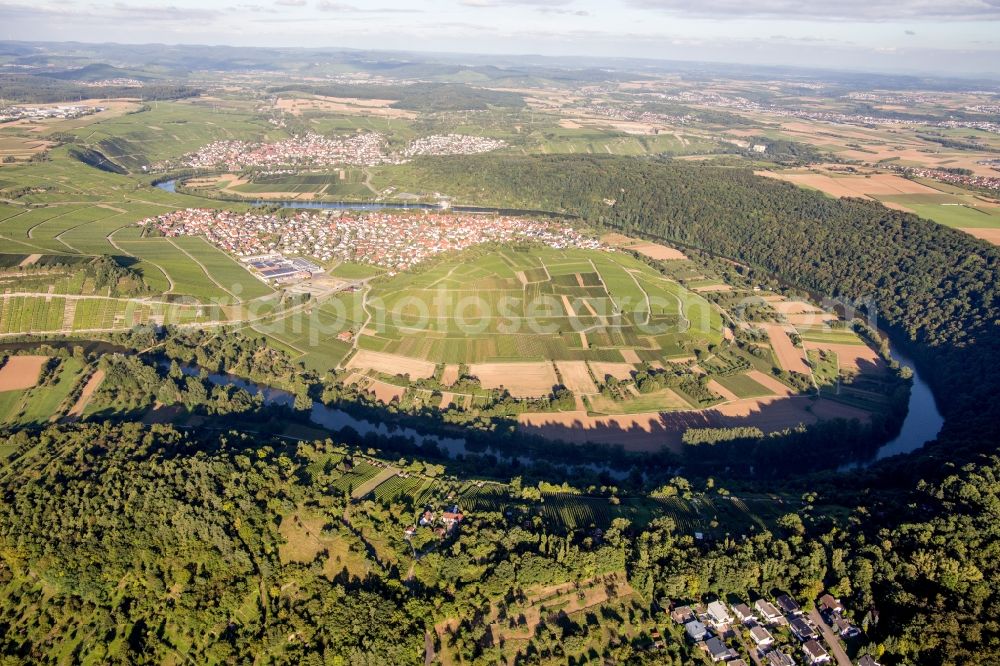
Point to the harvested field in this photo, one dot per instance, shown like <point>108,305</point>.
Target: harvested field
<point>658,252</point>
<point>776,414</point>
<point>29,260</point>
<point>89,389</point>
<point>790,357</point>
<point>770,383</point>
<point>651,250</point>
<point>348,105</point>
<point>523,380</point>
<point>450,374</point>
<point>719,389</point>
<point>225,183</point>
<point>618,240</point>
<point>712,288</point>
<point>446,400</point>
<point>988,235</point>
<point>576,377</point>
<point>620,371</point>
<point>852,358</point>
<point>794,307</point>
<point>887,183</point>
<point>651,432</point>
<point>633,432</point>
<point>385,391</point>
<point>866,187</point>
<point>630,356</point>
<point>810,318</point>
<point>21,148</point>
<point>391,364</point>
<point>21,372</point>
<point>302,544</point>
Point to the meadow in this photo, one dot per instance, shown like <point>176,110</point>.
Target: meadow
<point>42,403</point>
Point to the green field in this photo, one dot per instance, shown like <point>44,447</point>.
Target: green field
<point>952,210</point>
<point>171,129</point>
<point>826,368</point>
<point>222,268</point>
<point>38,405</point>
<point>352,271</point>
<point>505,305</point>
<point>664,400</point>
<point>743,386</point>
<point>528,304</point>
<point>840,336</point>
<point>608,141</point>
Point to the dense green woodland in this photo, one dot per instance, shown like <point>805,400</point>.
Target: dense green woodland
<point>133,543</point>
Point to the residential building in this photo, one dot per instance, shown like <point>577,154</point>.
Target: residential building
<point>682,615</point>
<point>830,604</point>
<point>815,653</point>
<point>802,629</point>
<point>718,650</point>
<point>762,637</point>
<point>451,518</point>
<point>779,658</point>
<point>788,605</point>
<point>718,613</point>
<point>845,628</point>
<point>743,613</point>
<point>767,611</point>
<point>696,630</point>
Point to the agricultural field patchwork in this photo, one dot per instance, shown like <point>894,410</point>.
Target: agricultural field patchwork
<point>533,305</point>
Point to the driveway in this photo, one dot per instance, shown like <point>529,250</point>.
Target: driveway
<point>831,638</point>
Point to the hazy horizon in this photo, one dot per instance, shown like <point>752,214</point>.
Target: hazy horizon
<point>955,39</point>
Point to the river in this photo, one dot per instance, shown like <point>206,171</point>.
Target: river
<point>922,424</point>
<point>923,419</point>
<point>337,420</point>
<point>171,186</point>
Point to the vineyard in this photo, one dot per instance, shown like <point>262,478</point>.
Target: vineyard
<point>359,473</point>
<point>418,488</point>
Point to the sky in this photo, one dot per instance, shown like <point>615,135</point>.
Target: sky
<point>951,37</point>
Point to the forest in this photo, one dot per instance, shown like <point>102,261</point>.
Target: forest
<point>132,543</point>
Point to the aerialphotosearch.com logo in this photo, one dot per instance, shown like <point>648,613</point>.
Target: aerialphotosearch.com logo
<point>449,313</point>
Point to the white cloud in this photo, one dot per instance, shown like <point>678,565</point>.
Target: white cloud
<point>541,4</point>
<point>842,10</point>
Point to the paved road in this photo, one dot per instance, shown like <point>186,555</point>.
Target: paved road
<point>832,641</point>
